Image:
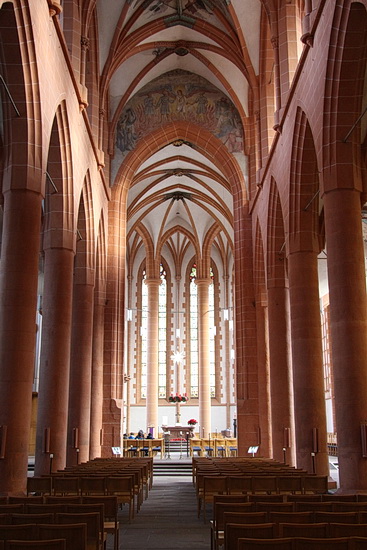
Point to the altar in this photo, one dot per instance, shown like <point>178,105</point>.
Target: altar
<point>176,432</point>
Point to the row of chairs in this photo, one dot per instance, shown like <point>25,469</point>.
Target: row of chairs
<point>143,447</point>
<point>218,447</point>
<point>75,535</point>
<point>209,485</point>
<point>122,487</point>
<point>111,466</point>
<point>241,466</point>
<point>100,514</point>
<point>349,543</point>
<point>229,509</point>
<point>54,544</point>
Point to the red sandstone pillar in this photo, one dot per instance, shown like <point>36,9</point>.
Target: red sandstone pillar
<point>18,295</point>
<point>80,374</point>
<point>281,385</point>
<point>53,395</point>
<point>348,325</point>
<point>203,341</point>
<point>152,354</point>
<point>97,377</point>
<point>308,378</point>
<point>265,438</point>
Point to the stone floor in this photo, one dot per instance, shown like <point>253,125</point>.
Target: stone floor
<point>167,520</point>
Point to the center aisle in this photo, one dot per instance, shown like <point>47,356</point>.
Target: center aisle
<point>167,520</point>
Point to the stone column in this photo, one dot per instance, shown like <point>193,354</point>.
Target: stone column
<point>308,376</point>
<point>80,372</point>
<point>97,376</point>
<point>348,327</point>
<point>265,438</point>
<point>53,395</point>
<point>18,295</point>
<point>281,384</point>
<point>203,341</point>
<point>152,354</point>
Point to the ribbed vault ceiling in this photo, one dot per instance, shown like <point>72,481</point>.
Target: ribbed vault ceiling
<point>200,57</point>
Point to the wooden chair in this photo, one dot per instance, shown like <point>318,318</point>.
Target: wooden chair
<point>234,531</point>
<point>304,498</point>
<point>195,447</point>
<point>110,514</point>
<point>93,522</point>
<point>66,485</point>
<point>264,484</point>
<point>348,530</point>
<point>11,508</point>
<point>274,506</point>
<point>123,488</point>
<point>357,543</point>
<point>62,499</point>
<point>18,532</point>
<point>230,499</point>
<point>75,535</point>
<point>349,506</point>
<point>239,518</point>
<point>289,484</point>
<point>45,508</point>
<point>340,498</point>
<point>321,544</point>
<point>266,498</point>
<point>26,500</point>
<point>39,485</point>
<point>314,530</point>
<point>5,519</point>
<point>213,485</point>
<point>239,484</point>
<point>315,484</point>
<point>220,447</point>
<point>199,487</point>
<point>291,517</point>
<point>336,517</point>
<point>54,544</point>
<point>92,485</point>
<point>219,511</point>
<point>313,506</point>
<point>23,519</point>
<point>265,544</point>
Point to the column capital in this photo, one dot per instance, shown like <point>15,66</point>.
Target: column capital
<point>203,282</point>
<point>151,281</point>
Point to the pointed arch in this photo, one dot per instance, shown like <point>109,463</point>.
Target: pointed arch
<point>304,189</point>
<point>59,230</point>
<point>85,246</point>
<point>344,94</point>
<point>276,244</point>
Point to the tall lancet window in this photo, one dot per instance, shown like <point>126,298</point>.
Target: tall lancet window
<point>212,335</point>
<point>162,335</point>
<point>194,349</point>
<point>143,336</point>
<point>194,342</point>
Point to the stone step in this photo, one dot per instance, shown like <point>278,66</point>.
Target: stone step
<point>174,468</point>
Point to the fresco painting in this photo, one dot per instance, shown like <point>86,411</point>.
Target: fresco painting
<point>179,95</point>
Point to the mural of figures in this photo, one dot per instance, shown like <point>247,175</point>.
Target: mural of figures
<point>182,7</point>
<point>179,95</point>
<point>126,136</point>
